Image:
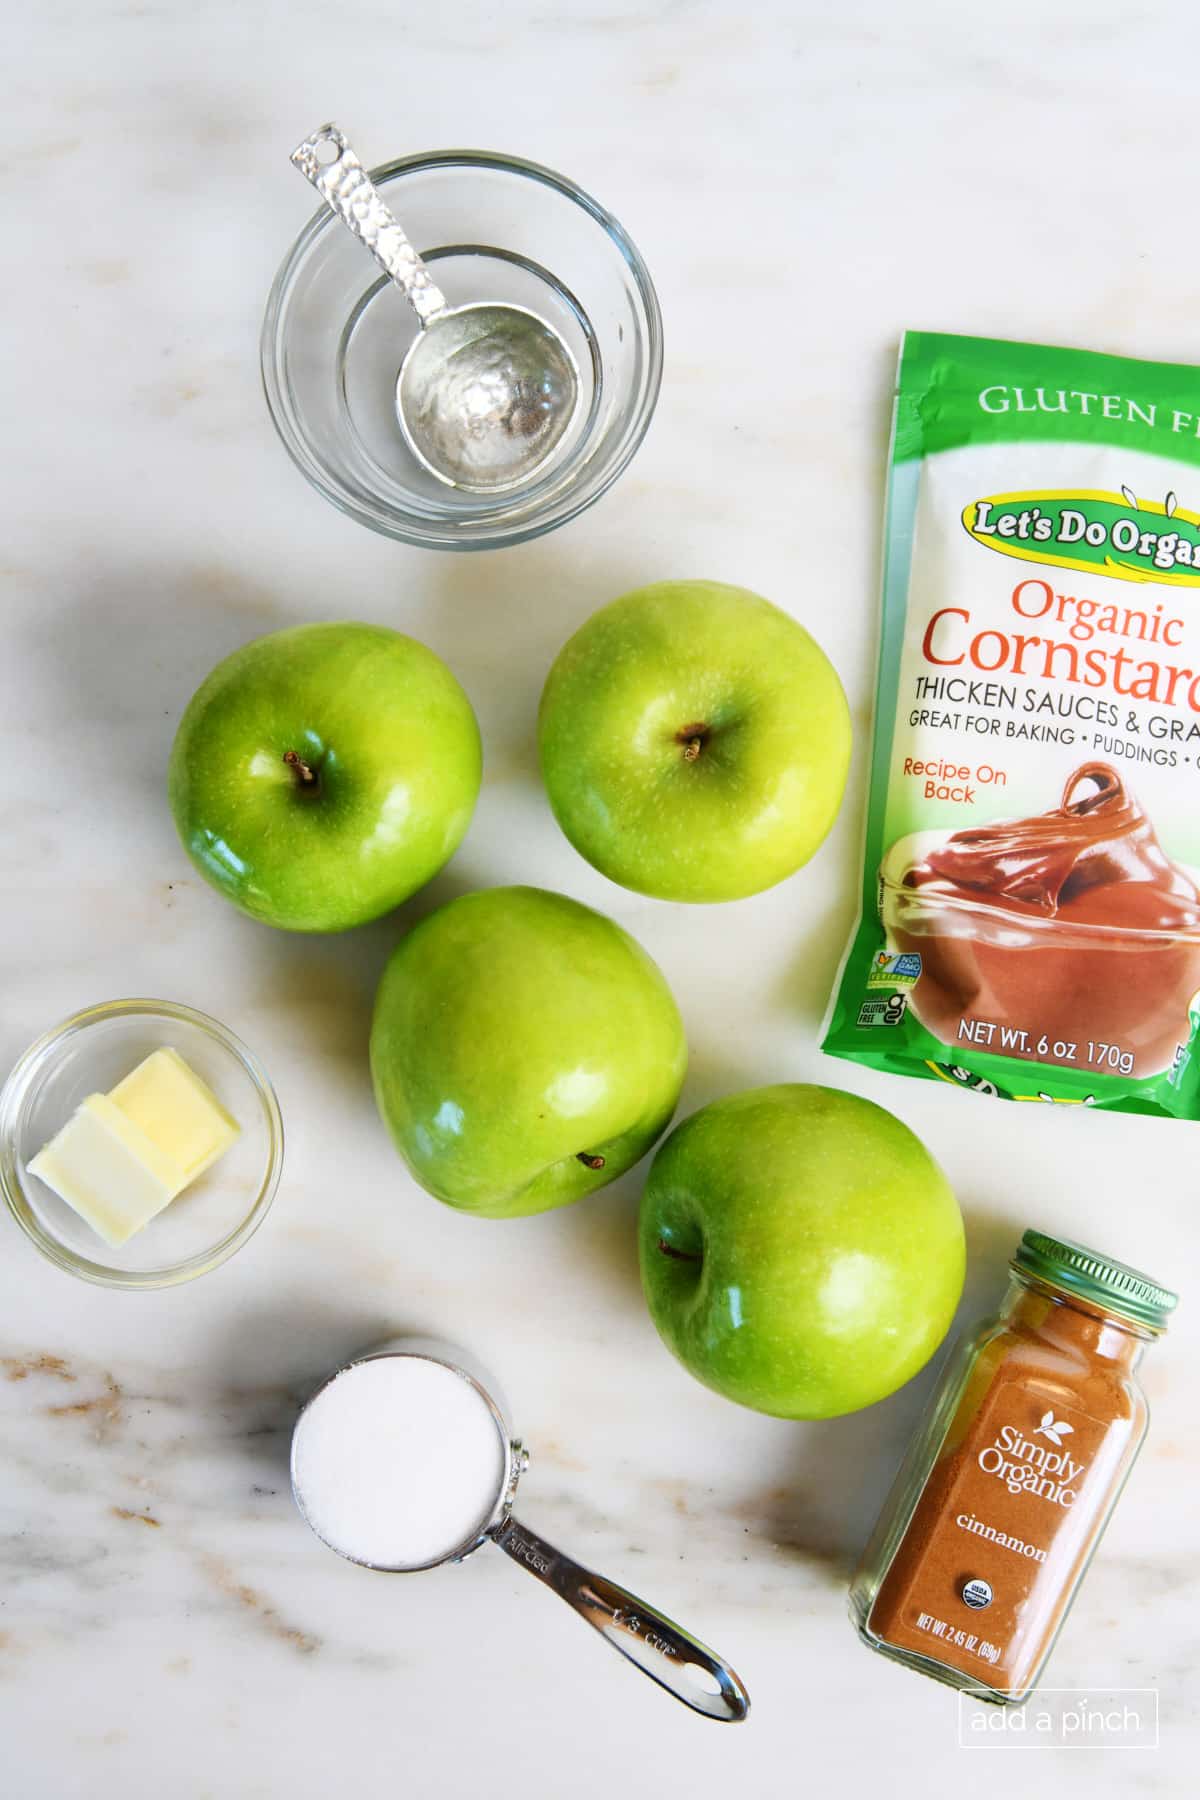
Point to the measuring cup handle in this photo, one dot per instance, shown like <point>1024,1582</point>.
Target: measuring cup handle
<point>330,164</point>
<point>669,1655</point>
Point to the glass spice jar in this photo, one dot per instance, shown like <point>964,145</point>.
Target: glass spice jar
<point>1013,1475</point>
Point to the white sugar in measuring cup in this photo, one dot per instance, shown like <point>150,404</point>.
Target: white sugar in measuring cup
<point>404,1459</point>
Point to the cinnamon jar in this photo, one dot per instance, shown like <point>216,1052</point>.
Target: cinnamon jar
<point>1013,1474</point>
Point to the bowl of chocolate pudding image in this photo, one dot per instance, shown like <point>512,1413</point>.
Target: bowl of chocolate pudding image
<point>1066,937</point>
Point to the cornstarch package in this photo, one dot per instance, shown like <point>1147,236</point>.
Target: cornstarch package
<point>1030,922</point>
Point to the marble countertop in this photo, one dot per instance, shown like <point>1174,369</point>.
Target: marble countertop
<point>166,1623</point>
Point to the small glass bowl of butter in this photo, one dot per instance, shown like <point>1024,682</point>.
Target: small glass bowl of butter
<point>100,1077</point>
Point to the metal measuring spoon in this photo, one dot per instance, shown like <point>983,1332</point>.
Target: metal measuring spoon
<point>655,1644</point>
<point>487,391</point>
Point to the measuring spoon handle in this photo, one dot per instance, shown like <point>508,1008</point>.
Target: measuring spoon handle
<point>660,1648</point>
<point>331,165</point>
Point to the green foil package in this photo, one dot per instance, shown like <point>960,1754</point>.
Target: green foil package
<point>1030,923</point>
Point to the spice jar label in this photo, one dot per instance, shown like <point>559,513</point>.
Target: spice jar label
<point>994,1541</point>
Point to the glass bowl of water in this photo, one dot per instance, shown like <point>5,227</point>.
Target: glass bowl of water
<point>491,228</point>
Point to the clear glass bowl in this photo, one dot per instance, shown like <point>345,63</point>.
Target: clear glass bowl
<point>89,1054</point>
<point>491,228</point>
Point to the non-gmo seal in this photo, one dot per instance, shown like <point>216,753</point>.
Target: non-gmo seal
<point>977,1595</point>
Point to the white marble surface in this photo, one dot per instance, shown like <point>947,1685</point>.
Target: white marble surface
<point>166,1623</point>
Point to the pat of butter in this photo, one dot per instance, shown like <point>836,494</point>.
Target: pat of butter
<point>123,1156</point>
<point>111,1173</point>
<point>177,1111</point>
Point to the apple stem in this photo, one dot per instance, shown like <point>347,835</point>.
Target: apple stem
<point>679,1255</point>
<point>589,1161</point>
<point>305,776</point>
<point>692,737</point>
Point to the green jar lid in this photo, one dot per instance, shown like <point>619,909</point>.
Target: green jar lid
<point>1108,1284</point>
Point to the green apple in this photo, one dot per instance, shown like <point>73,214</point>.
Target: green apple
<point>321,775</point>
<point>801,1251</point>
<point>694,741</point>
<point>525,1051</point>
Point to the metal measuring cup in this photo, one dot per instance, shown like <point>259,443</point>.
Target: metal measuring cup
<point>659,1648</point>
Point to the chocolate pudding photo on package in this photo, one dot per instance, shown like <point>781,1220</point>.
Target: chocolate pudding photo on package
<point>1030,923</point>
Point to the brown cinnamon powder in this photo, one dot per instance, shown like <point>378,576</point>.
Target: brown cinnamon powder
<point>1043,1432</point>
